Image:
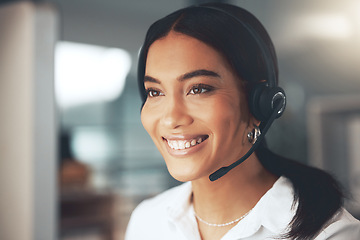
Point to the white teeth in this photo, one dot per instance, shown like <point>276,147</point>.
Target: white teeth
<point>175,144</point>
<point>183,144</point>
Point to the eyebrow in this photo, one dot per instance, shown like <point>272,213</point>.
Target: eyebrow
<point>198,73</point>
<point>186,76</point>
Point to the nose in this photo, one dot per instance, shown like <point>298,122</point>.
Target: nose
<point>175,114</point>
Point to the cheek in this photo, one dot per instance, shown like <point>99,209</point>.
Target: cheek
<point>226,123</point>
<point>224,113</point>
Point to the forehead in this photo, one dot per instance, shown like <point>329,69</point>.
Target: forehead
<point>179,52</point>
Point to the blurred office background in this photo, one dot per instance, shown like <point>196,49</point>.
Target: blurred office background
<point>74,157</point>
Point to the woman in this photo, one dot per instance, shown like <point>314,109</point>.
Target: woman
<point>198,69</point>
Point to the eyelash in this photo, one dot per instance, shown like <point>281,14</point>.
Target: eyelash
<point>152,92</point>
<point>202,87</point>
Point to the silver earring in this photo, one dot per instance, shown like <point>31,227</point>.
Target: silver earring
<point>254,134</point>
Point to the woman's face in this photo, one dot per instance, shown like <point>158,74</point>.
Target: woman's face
<point>194,109</point>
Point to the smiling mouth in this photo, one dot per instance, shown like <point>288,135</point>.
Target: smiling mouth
<point>185,144</point>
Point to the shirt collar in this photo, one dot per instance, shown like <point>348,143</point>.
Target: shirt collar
<point>274,211</point>
<point>180,213</point>
<point>277,206</point>
<point>180,202</point>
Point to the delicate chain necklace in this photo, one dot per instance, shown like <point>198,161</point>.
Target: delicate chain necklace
<point>222,224</point>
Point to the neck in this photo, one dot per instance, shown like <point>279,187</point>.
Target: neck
<point>234,194</point>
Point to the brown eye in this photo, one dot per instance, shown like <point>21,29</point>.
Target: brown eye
<point>195,90</point>
<point>153,93</point>
<point>199,89</point>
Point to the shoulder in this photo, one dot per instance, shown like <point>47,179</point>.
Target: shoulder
<point>152,214</point>
<point>341,226</point>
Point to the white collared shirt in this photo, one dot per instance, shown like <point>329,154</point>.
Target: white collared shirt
<point>170,215</point>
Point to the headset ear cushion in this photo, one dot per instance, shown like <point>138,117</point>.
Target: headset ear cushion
<point>262,100</point>
<point>268,100</point>
<point>254,101</point>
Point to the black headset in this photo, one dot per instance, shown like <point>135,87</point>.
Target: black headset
<point>267,101</point>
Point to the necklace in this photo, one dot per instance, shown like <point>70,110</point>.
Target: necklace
<point>221,224</point>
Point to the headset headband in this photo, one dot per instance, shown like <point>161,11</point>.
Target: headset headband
<point>270,68</point>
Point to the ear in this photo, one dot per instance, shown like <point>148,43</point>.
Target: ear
<point>252,121</point>
<point>250,127</point>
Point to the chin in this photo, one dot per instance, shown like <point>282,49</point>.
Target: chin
<point>185,176</point>
<point>180,176</point>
